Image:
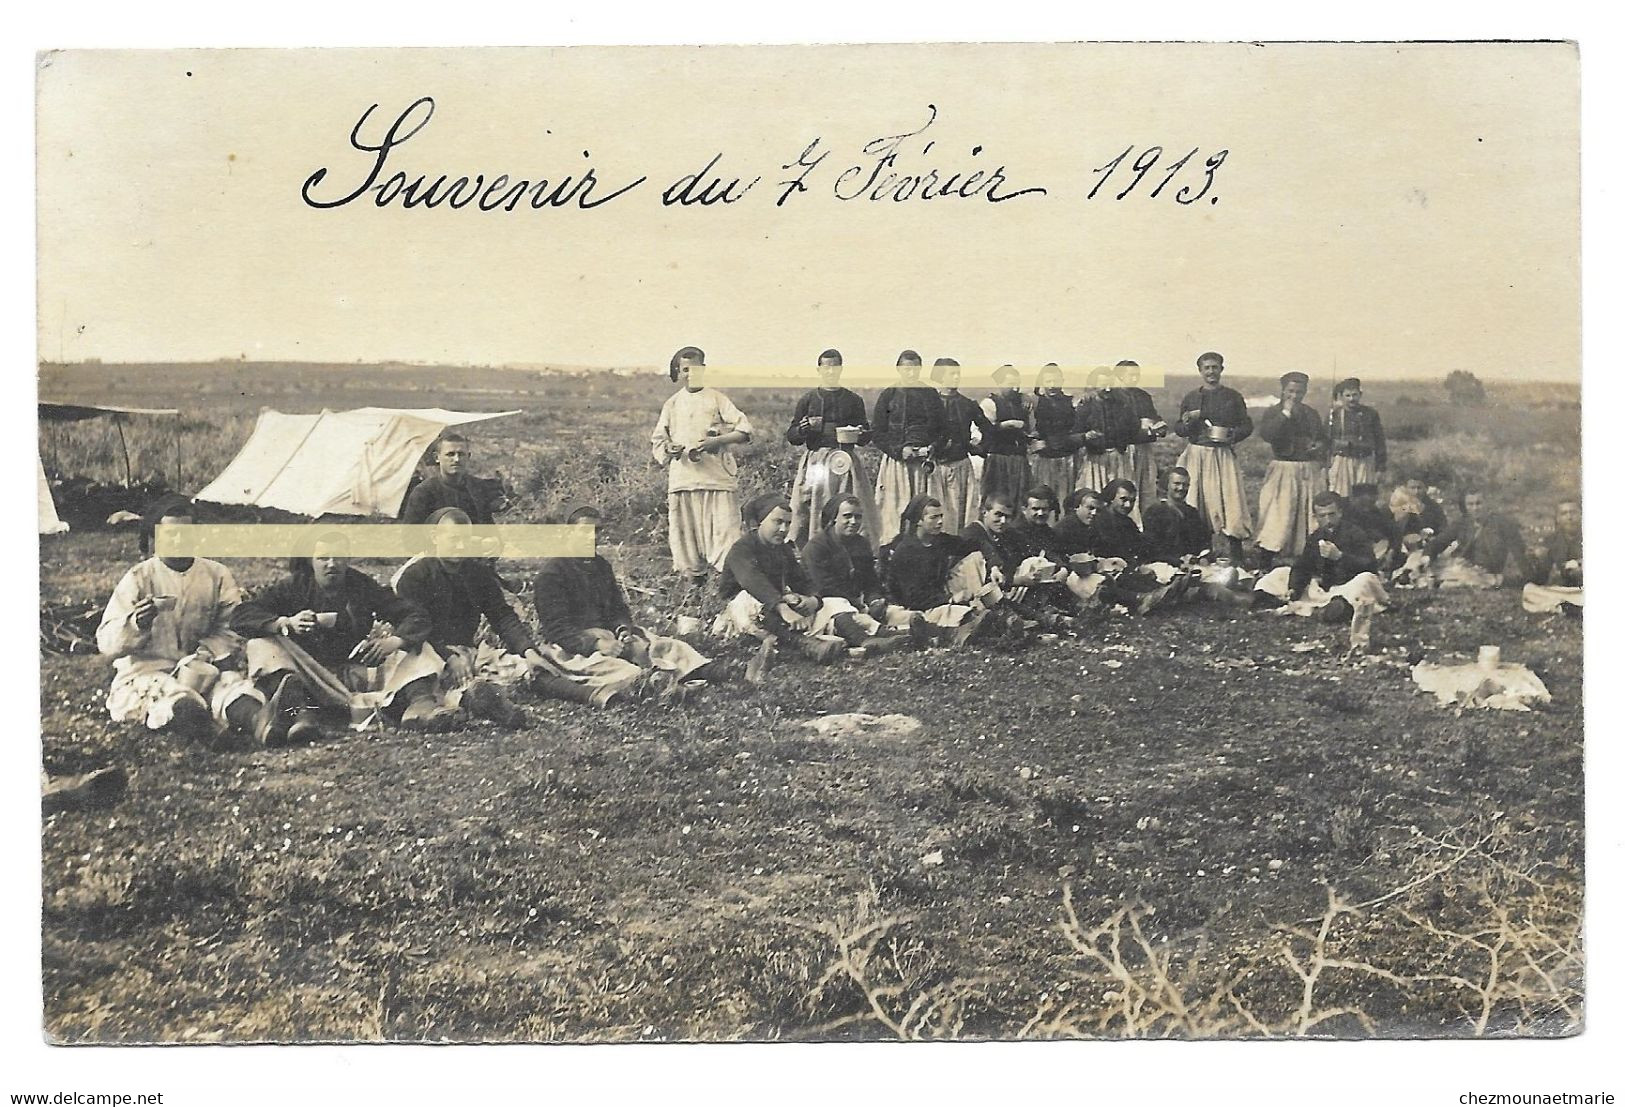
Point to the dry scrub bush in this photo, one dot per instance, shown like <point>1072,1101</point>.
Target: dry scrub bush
<point>1485,944</point>
<point>891,978</point>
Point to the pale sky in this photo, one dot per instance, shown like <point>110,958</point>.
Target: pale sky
<point>1396,210</point>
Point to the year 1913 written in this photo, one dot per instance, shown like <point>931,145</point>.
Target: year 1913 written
<point>1198,182</point>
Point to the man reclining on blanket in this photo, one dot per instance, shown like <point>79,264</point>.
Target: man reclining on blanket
<point>1335,571</point>
<point>1557,581</point>
<point>581,608</point>
<point>1480,549</point>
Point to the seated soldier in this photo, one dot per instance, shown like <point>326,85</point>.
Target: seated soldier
<point>1481,540</point>
<point>1075,533</point>
<point>1075,540</point>
<point>916,564</point>
<point>1556,578</point>
<point>452,485</point>
<point>1056,586</point>
<point>840,564</point>
<point>1335,571</point>
<point>1142,585</point>
<point>1417,516</point>
<point>311,637</point>
<point>1364,512</point>
<point>1177,534</point>
<point>581,608</point>
<point>990,575</point>
<point>1174,529</point>
<point>769,594</point>
<point>455,590</point>
<point>168,624</point>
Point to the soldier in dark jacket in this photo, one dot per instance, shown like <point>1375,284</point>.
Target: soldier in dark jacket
<point>457,592</point>
<point>1359,450</point>
<point>1174,530</point>
<point>1337,552</point>
<point>965,430</point>
<point>452,486</point>
<point>908,424</point>
<point>1214,418</point>
<point>1484,538</point>
<point>311,641</point>
<point>581,607</point>
<point>1004,443</point>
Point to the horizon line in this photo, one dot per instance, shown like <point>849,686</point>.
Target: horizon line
<point>1577,378</point>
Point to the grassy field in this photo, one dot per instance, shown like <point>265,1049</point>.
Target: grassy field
<point>1189,825</point>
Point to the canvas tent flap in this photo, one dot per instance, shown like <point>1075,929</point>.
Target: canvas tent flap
<point>49,521</point>
<point>335,463</point>
<point>70,413</point>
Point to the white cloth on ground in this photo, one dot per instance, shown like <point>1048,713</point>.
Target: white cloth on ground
<point>743,615</point>
<point>1508,687</point>
<point>1538,599</point>
<point>1457,572</point>
<point>1363,587</point>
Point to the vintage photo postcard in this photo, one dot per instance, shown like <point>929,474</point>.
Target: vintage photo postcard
<point>810,543</point>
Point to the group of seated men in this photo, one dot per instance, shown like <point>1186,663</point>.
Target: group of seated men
<point>1479,548</point>
<point>1036,564</point>
<point>1040,562</point>
<point>327,642</point>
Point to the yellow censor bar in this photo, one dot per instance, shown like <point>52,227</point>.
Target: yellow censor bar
<point>385,540</point>
<point>967,378</point>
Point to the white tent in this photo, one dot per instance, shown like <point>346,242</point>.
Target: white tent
<point>338,462</point>
<point>49,521</point>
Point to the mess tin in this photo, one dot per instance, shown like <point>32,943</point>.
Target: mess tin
<point>196,674</point>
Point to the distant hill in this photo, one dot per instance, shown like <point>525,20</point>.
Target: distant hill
<point>310,386</point>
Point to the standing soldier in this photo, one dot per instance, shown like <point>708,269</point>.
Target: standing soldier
<point>1213,418</point>
<point>953,480</point>
<point>908,424</point>
<point>1142,455</point>
<point>1004,445</point>
<point>693,439</point>
<point>1359,450</point>
<point>1055,450</point>
<point>1108,427</point>
<point>1286,502</point>
<point>829,421</point>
